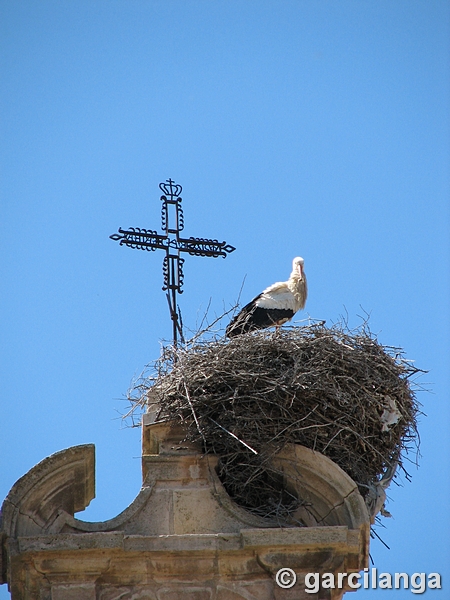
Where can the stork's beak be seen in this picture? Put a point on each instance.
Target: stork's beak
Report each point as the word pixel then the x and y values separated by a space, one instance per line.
pixel 300 271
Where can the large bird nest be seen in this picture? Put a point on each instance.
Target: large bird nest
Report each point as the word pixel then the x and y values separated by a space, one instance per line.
pixel 335 391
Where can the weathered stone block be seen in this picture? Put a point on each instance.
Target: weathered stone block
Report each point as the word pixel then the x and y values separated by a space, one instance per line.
pixel 84 591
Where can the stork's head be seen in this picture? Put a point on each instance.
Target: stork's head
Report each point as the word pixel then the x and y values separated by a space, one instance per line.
pixel 297 266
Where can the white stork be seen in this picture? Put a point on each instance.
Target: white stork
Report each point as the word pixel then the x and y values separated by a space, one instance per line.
pixel 275 305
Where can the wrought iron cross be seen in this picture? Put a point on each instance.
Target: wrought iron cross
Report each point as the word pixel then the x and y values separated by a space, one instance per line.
pixel 172 224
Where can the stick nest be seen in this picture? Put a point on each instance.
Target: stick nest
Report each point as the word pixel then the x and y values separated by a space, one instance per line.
pixel 329 389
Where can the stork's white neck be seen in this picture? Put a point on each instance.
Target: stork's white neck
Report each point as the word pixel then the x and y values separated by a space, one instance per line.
pixel 298 286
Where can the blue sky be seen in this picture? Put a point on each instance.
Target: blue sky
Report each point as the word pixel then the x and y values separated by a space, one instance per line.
pixel 312 128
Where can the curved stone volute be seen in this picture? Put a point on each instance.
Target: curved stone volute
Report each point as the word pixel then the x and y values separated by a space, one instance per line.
pixel 64 481
pixel 328 495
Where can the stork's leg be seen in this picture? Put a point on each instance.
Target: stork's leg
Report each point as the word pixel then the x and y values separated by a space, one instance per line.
pixel 279 323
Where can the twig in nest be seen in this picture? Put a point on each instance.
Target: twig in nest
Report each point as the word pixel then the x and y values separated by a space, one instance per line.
pixel 234 436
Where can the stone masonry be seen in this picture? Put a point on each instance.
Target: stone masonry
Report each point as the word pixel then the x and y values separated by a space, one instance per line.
pixel 182 537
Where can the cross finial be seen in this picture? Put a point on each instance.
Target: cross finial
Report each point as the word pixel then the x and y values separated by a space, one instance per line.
pixel 172 222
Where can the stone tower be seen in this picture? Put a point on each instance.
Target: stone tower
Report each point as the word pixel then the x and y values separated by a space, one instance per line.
pixel 182 537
